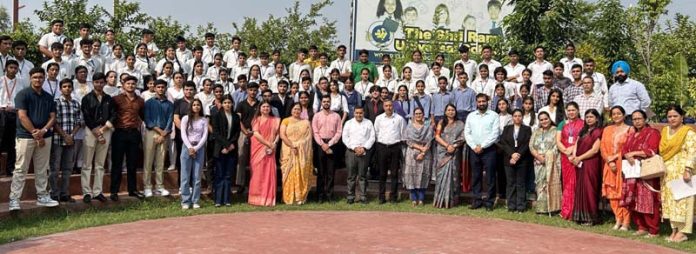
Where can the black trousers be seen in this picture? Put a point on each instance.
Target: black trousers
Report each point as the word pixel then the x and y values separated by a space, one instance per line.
pixel 388 158
pixel 480 163
pixel 8 133
pixel 326 173
pixel 516 186
pixel 124 142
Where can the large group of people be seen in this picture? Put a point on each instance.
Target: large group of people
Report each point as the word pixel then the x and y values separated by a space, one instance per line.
pixel 524 134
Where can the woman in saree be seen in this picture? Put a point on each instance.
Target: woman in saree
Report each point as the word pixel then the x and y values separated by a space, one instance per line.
pixel 296 156
pixel 588 170
pixel 418 136
pixel 547 166
pixel 642 197
pixel 566 137
pixel 678 149
pixel 450 137
pixel 262 186
pixel 613 139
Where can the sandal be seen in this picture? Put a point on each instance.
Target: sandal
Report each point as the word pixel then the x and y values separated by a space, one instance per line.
pixel 680 239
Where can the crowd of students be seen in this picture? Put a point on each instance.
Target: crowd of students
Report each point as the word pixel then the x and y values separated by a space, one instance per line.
pixel 518 133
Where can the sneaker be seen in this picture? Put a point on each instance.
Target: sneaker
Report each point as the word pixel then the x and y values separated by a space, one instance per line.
pixel 170 168
pixel 217 205
pixel 148 193
pixel 163 192
pixel 46 201
pixel 196 206
pixel 185 206
pixel 14 205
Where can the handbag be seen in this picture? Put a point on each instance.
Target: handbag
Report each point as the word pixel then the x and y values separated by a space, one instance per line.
pixel 652 167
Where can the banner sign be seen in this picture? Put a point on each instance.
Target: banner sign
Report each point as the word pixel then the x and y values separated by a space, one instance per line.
pixel 391 26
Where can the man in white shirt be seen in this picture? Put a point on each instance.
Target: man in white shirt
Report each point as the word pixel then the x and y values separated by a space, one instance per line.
pixel 487 58
pixel 85 30
pixel 267 70
pixel 209 49
pixel 539 66
pixel 600 82
pixel 514 68
pixel 342 63
pixel 5 46
pixel 322 70
pixel 277 77
pixel 253 58
pixel 86 59
pixel 569 60
pixel 182 53
pixel 56 35
pixel 10 85
pixel 481 132
pixel 241 68
pixel 358 136
pixel 231 56
pixel 20 51
pixel 148 37
pixel 296 67
pixel 469 65
pixel 388 129
pixel 109 42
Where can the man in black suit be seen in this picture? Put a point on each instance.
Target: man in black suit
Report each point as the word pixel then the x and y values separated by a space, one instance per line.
pixel 282 100
pixel 373 107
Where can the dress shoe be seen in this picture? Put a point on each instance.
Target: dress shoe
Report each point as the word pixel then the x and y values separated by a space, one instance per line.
pixel 100 197
pixel 67 198
pixel 475 206
pixel 114 197
pixel 87 198
pixel 137 194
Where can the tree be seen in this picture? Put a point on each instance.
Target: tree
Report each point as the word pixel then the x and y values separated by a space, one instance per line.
pixel 608 37
pixel 26 31
pixel 126 21
pixel 5 23
pixel 643 19
pixel 549 23
pixel 166 30
pixel 73 13
pixel 295 30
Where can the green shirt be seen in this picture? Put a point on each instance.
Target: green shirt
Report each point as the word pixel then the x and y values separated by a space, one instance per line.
pixel 358 66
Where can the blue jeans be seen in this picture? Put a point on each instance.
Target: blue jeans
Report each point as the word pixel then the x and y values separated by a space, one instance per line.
pixel 417 194
pixel 225 165
pixel 190 167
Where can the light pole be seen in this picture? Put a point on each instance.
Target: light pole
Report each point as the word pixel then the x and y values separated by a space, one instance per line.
pixel 15 13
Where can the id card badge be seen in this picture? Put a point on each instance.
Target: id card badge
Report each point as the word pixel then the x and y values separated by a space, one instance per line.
pixel 515 143
pixel 571 140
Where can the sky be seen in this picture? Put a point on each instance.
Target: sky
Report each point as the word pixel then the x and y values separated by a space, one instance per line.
pixel 224 13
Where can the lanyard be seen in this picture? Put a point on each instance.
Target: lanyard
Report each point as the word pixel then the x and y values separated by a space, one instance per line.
pixel 340 64
pixel 53 90
pixel 9 91
pixel 21 67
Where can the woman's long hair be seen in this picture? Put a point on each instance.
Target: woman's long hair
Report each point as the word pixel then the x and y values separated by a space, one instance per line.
pixel 524 112
pixel 191 115
pixel 560 108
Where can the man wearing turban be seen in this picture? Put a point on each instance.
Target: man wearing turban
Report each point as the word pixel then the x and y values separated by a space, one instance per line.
pixel 626 92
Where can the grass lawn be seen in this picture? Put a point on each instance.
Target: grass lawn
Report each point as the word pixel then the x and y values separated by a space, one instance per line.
pixel 61 220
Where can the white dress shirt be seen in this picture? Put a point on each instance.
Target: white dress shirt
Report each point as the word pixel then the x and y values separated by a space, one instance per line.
pixel 469 67
pixel 209 54
pixel 358 134
pixel 538 71
pixel 343 65
pixel 515 71
pixel 230 58
pixel 9 89
pixel 568 65
pixel 388 129
pixel 65 68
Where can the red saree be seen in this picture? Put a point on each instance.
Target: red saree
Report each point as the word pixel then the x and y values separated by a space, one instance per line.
pixel 569 136
pixel 262 186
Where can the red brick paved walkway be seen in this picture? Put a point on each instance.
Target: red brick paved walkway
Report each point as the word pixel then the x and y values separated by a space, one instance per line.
pixel 328 232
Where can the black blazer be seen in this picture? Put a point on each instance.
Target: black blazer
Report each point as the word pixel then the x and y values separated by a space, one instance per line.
pixel 370 113
pixel 283 108
pixel 220 128
pixel 507 143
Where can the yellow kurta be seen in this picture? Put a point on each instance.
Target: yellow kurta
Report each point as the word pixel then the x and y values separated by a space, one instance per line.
pixel 296 168
pixel 679 211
